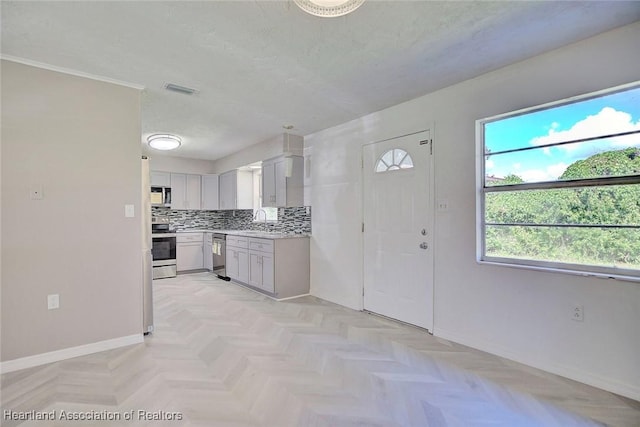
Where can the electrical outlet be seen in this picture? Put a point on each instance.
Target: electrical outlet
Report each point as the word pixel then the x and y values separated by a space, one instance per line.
pixel 53 301
pixel 443 205
pixel 577 313
pixel 35 192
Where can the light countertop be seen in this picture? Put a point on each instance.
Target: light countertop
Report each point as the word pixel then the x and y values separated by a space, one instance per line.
pixel 249 233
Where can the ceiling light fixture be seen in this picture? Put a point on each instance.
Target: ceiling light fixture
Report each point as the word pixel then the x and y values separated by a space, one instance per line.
pixel 164 141
pixel 328 8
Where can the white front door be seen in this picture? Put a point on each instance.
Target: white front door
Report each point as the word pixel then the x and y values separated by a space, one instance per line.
pixel 397 211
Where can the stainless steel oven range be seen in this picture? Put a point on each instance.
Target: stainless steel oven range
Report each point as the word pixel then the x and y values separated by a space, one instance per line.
pixel 163 248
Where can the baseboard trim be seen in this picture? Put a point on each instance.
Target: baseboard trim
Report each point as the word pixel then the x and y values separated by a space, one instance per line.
pixel 626 390
pixel 68 353
pixel 293 297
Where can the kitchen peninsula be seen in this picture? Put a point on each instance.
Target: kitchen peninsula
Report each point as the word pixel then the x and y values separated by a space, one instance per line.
pixel 273 263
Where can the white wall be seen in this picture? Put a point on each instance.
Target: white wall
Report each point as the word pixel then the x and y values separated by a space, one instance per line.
pixel 166 163
pixel 308 160
pixel 78 139
pixel 520 314
pixel 273 147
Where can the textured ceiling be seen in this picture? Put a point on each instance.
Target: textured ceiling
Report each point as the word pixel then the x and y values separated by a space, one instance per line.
pixel 259 65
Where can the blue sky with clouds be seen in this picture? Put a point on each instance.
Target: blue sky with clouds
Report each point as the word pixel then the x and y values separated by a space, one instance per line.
pixel 615 113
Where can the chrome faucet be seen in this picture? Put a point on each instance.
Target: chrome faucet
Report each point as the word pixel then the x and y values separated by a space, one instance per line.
pixel 255 216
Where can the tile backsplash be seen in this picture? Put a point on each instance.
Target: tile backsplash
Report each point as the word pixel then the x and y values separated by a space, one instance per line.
pixel 290 220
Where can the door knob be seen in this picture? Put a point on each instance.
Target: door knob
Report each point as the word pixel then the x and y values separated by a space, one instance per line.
pixel 424 245
pixel 424 232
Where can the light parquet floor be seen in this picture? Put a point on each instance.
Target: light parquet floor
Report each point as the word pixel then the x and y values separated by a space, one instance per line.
pixel 222 355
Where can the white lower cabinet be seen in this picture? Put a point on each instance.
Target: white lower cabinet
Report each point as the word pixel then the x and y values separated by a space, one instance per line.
pixel 231 263
pixel 237 260
pixel 243 266
pixel 261 270
pixel 277 267
pixel 189 252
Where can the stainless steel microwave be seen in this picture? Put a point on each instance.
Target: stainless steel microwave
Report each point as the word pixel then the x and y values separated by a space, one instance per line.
pixel 161 196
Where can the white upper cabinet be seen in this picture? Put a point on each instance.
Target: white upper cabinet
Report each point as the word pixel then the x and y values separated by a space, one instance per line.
pixel 185 191
pixel 160 179
pixel 194 192
pixel 236 190
pixel 210 195
pixel 283 182
pixel 179 191
pixel 227 190
pixel 269 183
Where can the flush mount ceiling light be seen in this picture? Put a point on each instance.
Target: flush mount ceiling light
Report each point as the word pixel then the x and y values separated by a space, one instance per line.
pixel 328 8
pixel 164 141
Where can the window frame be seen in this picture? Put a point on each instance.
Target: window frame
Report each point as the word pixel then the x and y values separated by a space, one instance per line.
pixel 393 167
pixel 482 190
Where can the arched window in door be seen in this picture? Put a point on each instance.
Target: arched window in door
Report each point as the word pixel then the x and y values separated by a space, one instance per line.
pixel 394 159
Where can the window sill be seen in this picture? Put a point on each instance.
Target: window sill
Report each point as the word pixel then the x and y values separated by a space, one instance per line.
pixel 620 277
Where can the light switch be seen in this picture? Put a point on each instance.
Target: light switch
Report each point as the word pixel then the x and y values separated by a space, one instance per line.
pixel 129 211
pixel 35 192
pixel 53 301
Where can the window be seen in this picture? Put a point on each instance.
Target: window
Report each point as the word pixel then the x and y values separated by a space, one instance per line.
pixel 270 213
pixel 394 159
pixel 560 185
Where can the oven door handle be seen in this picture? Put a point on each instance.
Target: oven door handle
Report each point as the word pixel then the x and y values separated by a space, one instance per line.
pixel 162 235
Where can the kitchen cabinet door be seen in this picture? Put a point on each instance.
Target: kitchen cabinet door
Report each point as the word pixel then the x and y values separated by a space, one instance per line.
pixel 255 269
pixel 189 256
pixel 228 189
pixel 208 253
pixel 236 190
pixel 268 184
pixel 210 196
pixel 266 263
pixel 193 192
pixel 261 267
pixel 268 281
pixel 283 182
pixel 243 265
pixel 179 191
pixel 231 263
pixel 185 191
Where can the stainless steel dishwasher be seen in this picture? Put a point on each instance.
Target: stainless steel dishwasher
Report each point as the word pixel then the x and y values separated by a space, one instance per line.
pixel 219 249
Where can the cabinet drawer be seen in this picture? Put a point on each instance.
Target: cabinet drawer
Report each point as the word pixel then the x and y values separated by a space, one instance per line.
pixel 263 245
pixel 189 237
pixel 237 241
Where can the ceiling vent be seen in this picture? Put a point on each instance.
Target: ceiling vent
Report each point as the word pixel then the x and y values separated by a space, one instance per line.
pixel 180 89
